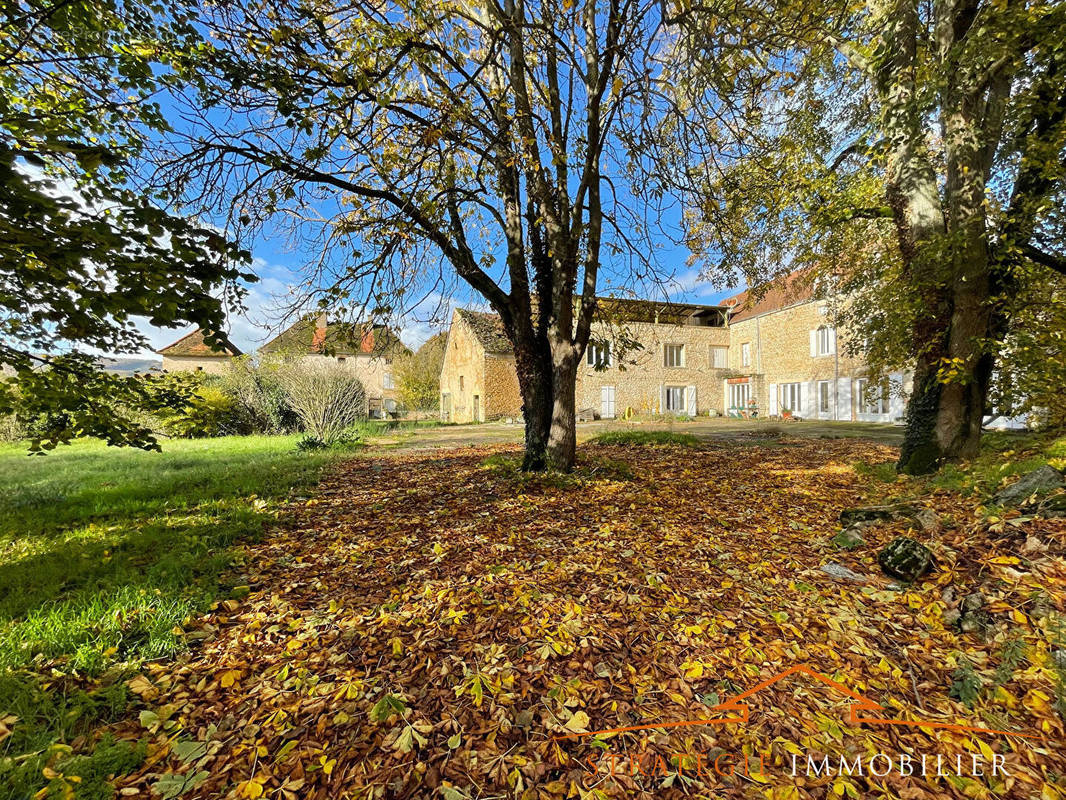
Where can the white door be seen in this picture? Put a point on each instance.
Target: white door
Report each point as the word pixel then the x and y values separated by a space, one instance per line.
pixel 690 400
pixel 607 402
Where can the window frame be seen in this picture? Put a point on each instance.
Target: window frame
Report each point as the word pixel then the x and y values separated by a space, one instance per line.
pixel 680 349
pixel 824 340
pixel 714 350
pixel 745 354
pixel 592 355
pixel 827 385
pixel 793 388
pixel 667 391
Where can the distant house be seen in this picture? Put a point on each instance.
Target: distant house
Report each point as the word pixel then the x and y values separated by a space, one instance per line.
pixel 191 353
pixel 677 368
pixel 368 350
pixel 772 353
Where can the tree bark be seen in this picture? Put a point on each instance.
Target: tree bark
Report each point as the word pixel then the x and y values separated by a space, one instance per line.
pixel 536 385
pixel 562 440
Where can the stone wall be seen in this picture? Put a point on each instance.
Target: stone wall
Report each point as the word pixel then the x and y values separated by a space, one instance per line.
pixel 502 398
pixel 212 365
pixel 639 378
pixel 785 350
pixel 462 375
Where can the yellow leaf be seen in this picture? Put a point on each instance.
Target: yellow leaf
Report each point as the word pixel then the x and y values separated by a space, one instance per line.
pixel 228 678
pixel 250 789
pixel 579 723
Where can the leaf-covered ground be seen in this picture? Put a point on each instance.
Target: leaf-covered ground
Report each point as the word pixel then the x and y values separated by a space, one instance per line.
pixel 427 625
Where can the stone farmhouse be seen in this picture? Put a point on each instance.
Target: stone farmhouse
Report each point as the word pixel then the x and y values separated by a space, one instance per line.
pixel 191 353
pixel 367 350
pixel 771 355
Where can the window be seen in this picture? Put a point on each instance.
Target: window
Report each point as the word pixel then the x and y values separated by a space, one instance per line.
pixel 390 405
pixel 675 399
pixel 607 402
pixel 460 383
pixel 790 397
pixel 745 354
pixel 823 397
pixel 598 355
pixel 340 359
pixel 719 357
pixel 826 341
pixel 871 402
pixel 739 396
pixel 673 355
pixel 387 382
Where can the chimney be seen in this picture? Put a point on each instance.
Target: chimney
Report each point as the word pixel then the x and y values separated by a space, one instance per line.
pixel 319 338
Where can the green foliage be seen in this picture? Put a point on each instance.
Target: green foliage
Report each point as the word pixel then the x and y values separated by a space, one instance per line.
pixel 418 375
pixel 882 472
pixel 647 438
pixel 209 410
pixel 965 683
pixel 49 717
pixel 261 401
pixel 81 250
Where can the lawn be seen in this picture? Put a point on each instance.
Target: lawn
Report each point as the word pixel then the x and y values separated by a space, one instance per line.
pixel 105 553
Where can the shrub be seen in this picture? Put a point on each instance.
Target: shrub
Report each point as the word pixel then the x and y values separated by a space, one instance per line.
pixel 259 396
pixel 326 396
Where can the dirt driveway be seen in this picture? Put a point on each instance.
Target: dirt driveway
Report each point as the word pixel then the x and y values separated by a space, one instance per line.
pixel 449 436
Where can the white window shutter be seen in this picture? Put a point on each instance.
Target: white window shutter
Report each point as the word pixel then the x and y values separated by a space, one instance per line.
pixel 773 399
pixel 690 400
pixel 662 399
pixel 804 399
pixel 814 343
pixel 832 341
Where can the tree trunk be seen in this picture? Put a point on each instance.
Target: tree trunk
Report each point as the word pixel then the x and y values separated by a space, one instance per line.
pixel 535 381
pixel 562 440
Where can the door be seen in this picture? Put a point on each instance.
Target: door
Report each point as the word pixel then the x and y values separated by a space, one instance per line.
pixel 477 408
pixel 446 407
pixel 690 400
pixel 607 402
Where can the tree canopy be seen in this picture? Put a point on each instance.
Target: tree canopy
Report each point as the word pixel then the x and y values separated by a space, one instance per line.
pixel 82 249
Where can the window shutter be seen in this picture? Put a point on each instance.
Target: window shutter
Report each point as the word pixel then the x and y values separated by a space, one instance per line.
pixel 662 399
pixel 814 343
pixel 832 341
pixel 804 400
pixel 773 399
pixel 690 400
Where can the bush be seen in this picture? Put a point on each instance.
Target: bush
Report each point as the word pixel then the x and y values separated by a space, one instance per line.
pixel 326 396
pixel 259 396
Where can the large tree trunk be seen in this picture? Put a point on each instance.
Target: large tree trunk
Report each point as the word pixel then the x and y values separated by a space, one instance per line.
pixel 536 384
pixel 562 440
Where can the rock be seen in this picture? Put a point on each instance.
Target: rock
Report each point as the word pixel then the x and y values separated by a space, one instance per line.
pixel 848 539
pixel 924 518
pixel 952 616
pixel 905 559
pixel 1040 481
pixel 927 520
pixel 949 595
pixel 973 602
pixel 841 573
pixel 853 516
pixel 971 623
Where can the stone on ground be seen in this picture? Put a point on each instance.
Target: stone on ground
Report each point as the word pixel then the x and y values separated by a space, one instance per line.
pixel 842 573
pixel 1040 481
pixel 905 559
pixel 848 539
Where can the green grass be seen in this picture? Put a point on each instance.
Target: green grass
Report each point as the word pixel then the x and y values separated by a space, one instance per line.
pixel 647 438
pixel 104 554
pixel 1004 454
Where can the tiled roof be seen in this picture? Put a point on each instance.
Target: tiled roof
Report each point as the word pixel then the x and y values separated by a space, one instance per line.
pixel 488 328
pixel 792 289
pixel 341 338
pixel 193 344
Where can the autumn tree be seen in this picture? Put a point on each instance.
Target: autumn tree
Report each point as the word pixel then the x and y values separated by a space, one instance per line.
pixel 505 143
pixel 81 251
pixel 418 374
pixel 938 128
